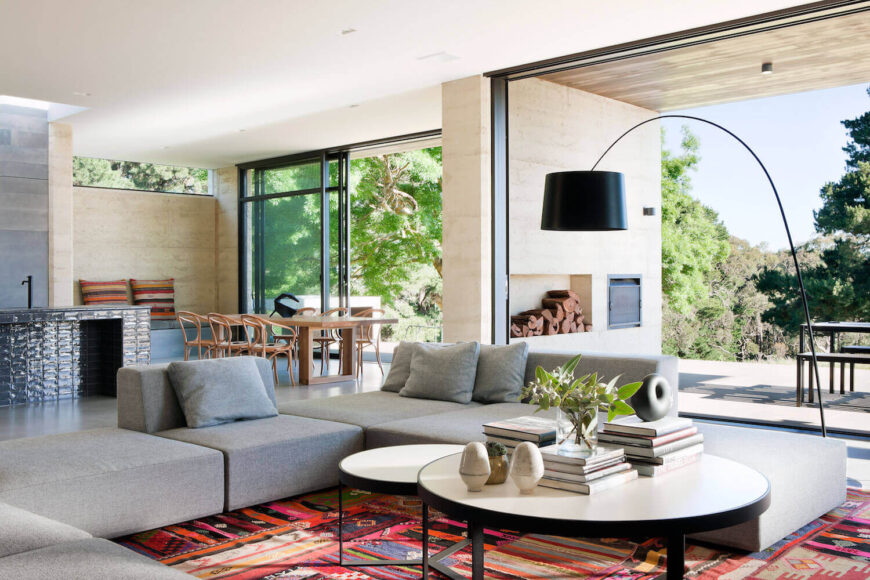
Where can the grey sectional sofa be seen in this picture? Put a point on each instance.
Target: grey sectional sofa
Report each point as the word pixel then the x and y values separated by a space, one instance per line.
pixel 154 471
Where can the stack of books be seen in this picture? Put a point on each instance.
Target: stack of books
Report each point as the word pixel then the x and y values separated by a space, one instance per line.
pixel 655 447
pixel 510 433
pixel 586 473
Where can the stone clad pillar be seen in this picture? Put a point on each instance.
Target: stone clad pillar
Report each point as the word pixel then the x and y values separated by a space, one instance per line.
pixel 226 192
pixel 466 210
pixel 60 215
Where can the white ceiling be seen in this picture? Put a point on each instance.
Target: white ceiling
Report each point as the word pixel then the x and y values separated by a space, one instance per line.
pixel 211 83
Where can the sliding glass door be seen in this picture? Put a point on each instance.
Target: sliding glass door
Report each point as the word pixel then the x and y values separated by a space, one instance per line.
pixel 292 215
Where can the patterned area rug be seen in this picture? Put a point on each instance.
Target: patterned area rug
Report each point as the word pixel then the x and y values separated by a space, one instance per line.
pixel 296 538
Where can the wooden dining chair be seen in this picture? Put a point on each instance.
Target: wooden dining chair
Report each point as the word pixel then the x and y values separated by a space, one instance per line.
pixel 192 333
pixel 222 334
pixel 263 341
pixel 369 336
pixel 328 337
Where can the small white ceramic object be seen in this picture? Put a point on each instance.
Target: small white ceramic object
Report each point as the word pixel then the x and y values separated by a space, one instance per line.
pixel 474 466
pixel 527 467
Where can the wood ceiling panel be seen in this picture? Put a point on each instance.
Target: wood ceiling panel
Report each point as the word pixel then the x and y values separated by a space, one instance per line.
pixel 817 55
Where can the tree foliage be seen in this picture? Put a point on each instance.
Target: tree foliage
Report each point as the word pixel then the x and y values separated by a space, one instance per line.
pixel 836 265
pixel 694 241
pixel 144 176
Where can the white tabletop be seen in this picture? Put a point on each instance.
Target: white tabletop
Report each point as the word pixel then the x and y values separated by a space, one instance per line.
pixel 710 486
pixel 397 464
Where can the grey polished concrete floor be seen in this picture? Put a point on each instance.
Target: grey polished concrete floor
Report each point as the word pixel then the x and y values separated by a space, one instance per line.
pixel 94 412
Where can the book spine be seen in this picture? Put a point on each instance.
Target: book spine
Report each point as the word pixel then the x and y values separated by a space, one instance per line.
pixel 612 481
pixel 648 470
pixel 670 457
pixel 667 448
pixel 584 477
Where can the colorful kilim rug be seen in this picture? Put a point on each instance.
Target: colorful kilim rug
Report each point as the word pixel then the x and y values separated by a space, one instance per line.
pixel 296 538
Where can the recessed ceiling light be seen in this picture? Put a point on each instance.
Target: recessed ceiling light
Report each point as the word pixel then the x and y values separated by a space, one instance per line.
pixel 354 106
pixel 242 130
pixel 767 68
pixel 346 31
pixel 440 56
pixel 81 94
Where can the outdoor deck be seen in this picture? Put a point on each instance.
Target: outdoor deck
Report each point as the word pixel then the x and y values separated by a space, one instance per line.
pixel 766 393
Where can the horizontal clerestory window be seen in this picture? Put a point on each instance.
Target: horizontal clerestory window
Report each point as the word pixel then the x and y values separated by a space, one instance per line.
pixel 112 174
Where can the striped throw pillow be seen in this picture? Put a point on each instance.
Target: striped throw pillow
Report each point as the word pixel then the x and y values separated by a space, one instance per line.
pixel 113 292
pixel 158 294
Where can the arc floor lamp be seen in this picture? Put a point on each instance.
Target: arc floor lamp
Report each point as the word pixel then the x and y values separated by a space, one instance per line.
pixel 595 201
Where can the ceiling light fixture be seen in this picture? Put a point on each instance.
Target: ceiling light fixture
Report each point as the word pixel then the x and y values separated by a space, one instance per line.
pixel 767 68
pixel 354 106
pixel 81 94
pixel 440 56
pixel 346 31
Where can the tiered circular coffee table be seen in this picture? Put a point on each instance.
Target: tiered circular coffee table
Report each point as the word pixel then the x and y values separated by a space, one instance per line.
pixel 710 494
pixel 392 470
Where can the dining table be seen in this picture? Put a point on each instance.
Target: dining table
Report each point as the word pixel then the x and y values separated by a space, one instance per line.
pixel 308 327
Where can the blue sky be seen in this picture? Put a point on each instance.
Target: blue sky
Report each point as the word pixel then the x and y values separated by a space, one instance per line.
pixel 798 137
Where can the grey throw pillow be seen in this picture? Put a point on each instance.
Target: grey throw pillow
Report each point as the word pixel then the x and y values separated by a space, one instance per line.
pixel 400 368
pixel 500 373
pixel 220 390
pixel 443 373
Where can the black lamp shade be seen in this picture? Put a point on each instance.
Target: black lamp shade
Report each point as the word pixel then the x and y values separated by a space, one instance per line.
pixel 584 201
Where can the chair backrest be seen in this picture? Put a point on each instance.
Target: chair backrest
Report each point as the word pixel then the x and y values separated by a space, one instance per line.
pixel 369 331
pixel 255 333
pixel 194 320
pixel 307 311
pixel 333 312
pixel 221 330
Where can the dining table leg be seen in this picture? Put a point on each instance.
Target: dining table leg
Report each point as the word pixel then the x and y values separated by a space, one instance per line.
pixel 348 347
pixel 306 355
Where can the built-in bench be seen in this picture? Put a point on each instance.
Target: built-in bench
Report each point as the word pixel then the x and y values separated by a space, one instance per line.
pixel 834 358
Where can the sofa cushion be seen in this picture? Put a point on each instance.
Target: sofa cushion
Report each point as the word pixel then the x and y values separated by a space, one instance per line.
pixel 92 559
pixel 110 482
pixel 400 368
pixel 500 372
pixel 99 293
pixel 367 409
pixel 22 531
pixel 458 427
pixel 158 294
pixel 273 458
pixel 147 401
pixel 443 373
pixel 807 476
pixel 220 390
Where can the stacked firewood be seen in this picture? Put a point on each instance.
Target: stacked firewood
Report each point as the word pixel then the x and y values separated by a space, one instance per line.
pixel 560 313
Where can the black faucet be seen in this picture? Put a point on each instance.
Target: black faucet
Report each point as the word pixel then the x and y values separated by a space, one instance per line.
pixel 29 282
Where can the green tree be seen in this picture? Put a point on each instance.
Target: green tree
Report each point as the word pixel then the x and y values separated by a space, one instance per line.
pixel 694 241
pixel 144 176
pixel 836 265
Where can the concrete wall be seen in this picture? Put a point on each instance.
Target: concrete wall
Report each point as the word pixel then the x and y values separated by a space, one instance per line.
pixel 555 128
pixel 23 204
pixel 466 210
pixel 225 184
pixel 131 234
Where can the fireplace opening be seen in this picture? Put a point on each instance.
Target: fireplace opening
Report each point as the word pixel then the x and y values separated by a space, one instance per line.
pixel 623 301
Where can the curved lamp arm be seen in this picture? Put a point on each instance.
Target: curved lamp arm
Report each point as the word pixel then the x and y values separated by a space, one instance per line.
pixel 803 293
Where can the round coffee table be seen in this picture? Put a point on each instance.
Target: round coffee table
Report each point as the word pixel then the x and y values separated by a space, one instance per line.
pixel 392 470
pixel 710 494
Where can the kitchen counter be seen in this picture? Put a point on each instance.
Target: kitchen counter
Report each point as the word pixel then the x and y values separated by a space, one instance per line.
pixel 58 353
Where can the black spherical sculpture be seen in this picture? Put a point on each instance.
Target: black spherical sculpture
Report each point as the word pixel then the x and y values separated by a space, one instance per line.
pixel 653 400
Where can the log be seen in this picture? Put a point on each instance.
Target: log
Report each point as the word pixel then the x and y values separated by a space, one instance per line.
pixel 515 331
pixel 588 327
pixel 540 313
pixel 551 327
pixel 567 304
pixel 563 294
pixel 566 327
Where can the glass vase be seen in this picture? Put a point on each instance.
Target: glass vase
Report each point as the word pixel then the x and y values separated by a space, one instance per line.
pixel 577 434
